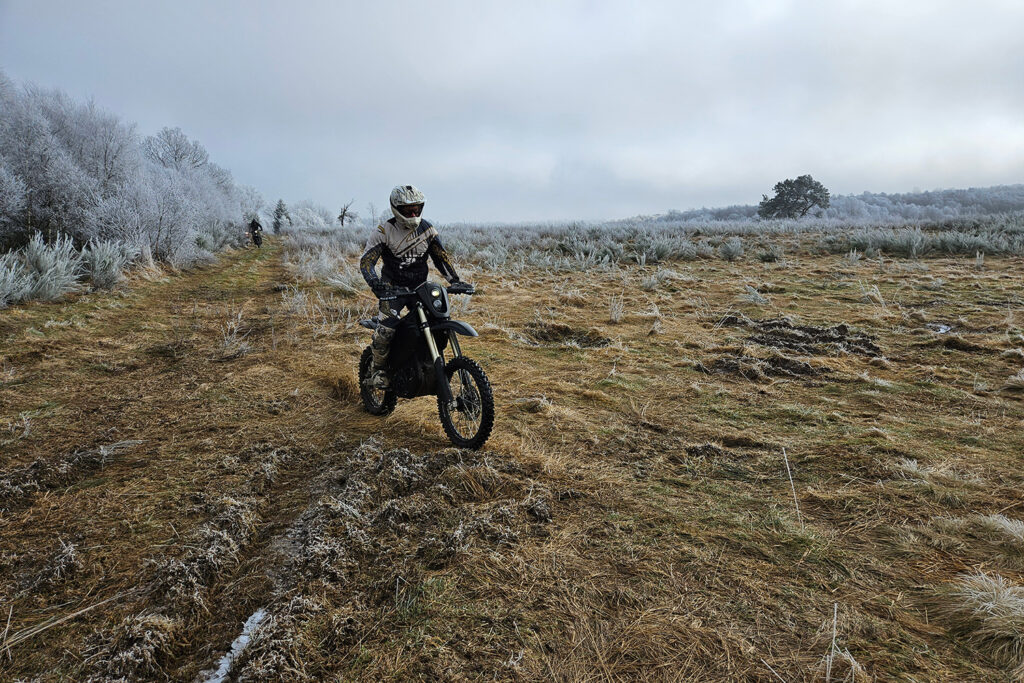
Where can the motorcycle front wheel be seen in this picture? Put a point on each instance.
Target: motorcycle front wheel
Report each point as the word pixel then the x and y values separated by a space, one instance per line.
pixel 469 419
pixel 375 401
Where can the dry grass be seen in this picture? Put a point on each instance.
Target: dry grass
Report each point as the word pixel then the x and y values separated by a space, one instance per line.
pixel 1015 382
pixel 986 611
pixel 631 518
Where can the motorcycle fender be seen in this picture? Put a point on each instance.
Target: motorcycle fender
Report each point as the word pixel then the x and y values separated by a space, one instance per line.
pixel 458 326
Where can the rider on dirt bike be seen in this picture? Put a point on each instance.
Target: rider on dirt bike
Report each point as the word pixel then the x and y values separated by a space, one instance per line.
pixel 404 241
pixel 255 231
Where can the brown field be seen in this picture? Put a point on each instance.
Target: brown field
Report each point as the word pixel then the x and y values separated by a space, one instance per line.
pixel 190 449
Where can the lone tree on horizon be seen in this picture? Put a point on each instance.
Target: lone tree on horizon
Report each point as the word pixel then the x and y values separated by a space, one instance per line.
pixel 794 198
pixel 347 214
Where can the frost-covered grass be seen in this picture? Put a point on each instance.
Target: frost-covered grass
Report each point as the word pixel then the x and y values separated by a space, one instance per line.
pixel 325 256
pixel 605 247
pixel 54 268
pixel 106 261
pixel 15 280
pixel 46 271
pixel 576 247
pixel 987 611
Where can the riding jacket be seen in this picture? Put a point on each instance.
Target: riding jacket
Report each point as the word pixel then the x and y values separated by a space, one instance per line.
pixel 404 252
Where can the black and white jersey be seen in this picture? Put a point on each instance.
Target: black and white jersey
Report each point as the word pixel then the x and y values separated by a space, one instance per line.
pixel 404 252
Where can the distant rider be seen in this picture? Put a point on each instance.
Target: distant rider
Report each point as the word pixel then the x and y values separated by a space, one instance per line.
pixel 404 241
pixel 254 231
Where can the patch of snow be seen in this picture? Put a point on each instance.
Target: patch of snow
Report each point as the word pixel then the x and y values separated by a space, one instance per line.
pixel 224 666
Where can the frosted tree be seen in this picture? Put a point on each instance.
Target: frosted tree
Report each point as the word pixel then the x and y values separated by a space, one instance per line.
pixel 171 148
pixel 13 198
pixel 250 201
pixel 794 198
pixel 347 214
pixel 280 214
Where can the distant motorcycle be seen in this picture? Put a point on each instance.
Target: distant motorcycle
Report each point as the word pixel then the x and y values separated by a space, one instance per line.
pixel 257 238
pixel 416 365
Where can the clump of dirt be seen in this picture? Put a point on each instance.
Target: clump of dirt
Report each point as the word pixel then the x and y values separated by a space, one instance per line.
pixel 344 388
pixel 533 404
pixel 384 523
pixel 138 647
pixel 36 572
pixel 174 349
pixel 213 549
pixel 810 340
pixel 955 342
pixel 559 333
pixel 762 369
pixel 705 450
pixel 17 486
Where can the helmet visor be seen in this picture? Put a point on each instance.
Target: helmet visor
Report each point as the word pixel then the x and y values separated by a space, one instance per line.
pixel 410 210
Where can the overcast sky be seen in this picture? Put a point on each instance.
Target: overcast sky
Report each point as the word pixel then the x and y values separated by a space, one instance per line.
pixel 552 110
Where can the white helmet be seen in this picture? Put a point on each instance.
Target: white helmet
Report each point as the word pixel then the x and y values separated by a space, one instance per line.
pixel 401 197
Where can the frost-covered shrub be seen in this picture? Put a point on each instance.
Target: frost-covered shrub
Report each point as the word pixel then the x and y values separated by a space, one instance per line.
pixel 15 281
pixel 731 249
pixel 309 216
pixel 190 255
pixel 772 254
pixel 219 235
pixel 105 262
pixel 53 268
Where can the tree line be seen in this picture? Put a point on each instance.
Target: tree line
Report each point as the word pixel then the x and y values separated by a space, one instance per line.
pixel 73 169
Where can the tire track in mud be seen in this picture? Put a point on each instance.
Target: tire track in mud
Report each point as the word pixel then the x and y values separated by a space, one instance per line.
pixel 343 565
pixel 179 593
pixel 359 558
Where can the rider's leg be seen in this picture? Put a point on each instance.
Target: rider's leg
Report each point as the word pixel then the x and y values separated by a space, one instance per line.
pixel 380 345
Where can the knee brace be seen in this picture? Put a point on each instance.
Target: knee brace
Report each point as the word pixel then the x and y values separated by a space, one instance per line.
pixel 381 344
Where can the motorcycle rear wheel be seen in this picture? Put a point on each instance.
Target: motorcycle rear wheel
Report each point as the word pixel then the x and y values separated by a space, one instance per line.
pixel 469 424
pixel 375 401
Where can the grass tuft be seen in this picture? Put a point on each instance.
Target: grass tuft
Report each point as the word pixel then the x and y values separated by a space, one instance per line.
pixel 986 611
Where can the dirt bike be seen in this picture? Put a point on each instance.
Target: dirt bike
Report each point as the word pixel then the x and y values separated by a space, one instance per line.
pixel 257 239
pixel 416 365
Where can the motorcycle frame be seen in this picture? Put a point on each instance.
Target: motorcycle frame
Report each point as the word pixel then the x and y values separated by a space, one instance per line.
pixel 443 390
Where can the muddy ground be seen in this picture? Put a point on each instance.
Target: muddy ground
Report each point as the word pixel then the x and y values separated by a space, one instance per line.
pixel 716 487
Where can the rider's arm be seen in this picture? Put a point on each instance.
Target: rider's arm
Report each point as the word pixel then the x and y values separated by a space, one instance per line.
pixel 368 261
pixel 442 260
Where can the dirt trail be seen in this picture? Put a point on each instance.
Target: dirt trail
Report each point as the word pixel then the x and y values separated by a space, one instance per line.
pixel 141 419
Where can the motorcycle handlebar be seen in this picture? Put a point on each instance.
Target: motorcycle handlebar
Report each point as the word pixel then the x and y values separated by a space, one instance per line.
pixel 396 294
pixel 458 288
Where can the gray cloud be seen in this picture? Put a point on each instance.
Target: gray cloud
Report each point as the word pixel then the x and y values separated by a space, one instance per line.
pixel 540 110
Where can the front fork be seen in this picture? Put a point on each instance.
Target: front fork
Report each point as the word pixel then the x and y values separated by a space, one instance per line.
pixel 443 390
